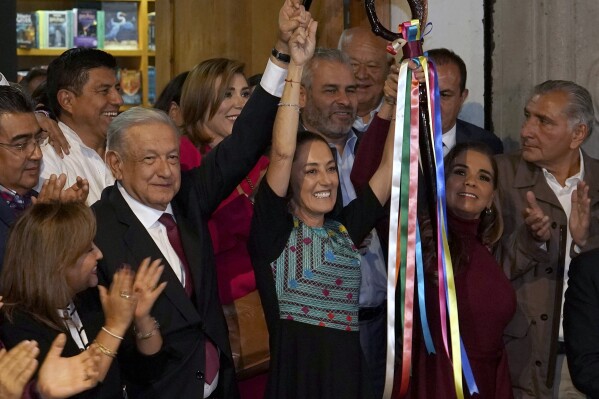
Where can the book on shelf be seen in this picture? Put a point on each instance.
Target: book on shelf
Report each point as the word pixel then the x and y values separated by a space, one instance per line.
pixel 26 30
pixel 121 31
pixel 57 29
pixel 151 84
pixel 88 27
pixel 130 81
pixel 152 31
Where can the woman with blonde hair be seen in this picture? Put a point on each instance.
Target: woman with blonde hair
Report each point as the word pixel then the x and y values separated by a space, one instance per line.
pixel 213 96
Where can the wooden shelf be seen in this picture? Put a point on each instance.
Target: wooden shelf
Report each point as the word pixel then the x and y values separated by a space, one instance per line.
pixel 139 59
pixel 39 52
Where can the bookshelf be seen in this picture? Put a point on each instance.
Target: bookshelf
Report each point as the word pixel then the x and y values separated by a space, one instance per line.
pixel 139 59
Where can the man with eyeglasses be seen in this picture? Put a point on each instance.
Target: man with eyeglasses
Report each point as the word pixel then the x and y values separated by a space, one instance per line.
pixel 21 139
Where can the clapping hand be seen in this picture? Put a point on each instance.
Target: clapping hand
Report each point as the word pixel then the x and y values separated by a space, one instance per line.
pixel 146 287
pixel 63 377
pixel 52 190
pixel 580 215
pixel 16 368
pixel 535 219
pixel 119 302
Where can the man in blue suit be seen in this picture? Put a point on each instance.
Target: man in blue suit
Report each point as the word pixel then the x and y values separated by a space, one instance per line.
pixel 451 72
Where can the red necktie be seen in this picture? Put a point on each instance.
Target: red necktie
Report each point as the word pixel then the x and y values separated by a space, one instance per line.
pixel 212 361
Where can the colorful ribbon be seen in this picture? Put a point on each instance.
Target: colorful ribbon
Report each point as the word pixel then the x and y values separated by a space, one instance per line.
pixel 405 252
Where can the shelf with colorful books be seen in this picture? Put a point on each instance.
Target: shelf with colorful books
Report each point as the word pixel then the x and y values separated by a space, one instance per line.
pixel 46 28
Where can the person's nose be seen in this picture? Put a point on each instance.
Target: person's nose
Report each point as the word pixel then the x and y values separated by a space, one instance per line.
pixel 529 127
pixel 326 179
pixel 240 101
pixel 470 181
pixel 36 154
pixel 343 98
pixel 164 168
pixel 360 71
pixel 99 254
pixel 115 97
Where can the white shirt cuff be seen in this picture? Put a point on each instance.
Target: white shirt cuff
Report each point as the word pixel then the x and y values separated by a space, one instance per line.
pixel 273 79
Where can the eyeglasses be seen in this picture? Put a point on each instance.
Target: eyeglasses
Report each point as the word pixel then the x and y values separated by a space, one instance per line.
pixel 28 146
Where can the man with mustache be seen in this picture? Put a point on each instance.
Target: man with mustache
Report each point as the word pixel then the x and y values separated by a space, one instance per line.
pixel 549 197
pixel 83 93
pixel 329 101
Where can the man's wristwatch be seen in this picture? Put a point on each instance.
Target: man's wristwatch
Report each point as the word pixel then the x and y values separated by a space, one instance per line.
pixel 280 56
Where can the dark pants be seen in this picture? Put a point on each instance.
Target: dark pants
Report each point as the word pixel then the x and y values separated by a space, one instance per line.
pixel 373 339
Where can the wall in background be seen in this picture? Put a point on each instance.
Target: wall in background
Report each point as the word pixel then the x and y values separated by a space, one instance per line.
pixel 458 26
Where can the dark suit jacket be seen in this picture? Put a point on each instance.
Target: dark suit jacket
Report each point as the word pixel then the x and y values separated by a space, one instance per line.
pixel 185 323
pixel 467 132
pixel 24 326
pixel 7 218
pixel 581 322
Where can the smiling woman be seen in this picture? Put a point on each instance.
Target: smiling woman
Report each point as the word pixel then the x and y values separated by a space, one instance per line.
pixel 486 300
pixel 305 256
pixel 49 285
pixel 213 96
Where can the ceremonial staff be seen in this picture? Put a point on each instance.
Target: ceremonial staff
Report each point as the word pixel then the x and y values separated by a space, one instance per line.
pixel 418 195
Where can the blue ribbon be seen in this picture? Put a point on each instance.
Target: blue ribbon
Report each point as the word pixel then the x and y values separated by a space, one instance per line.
pixel 468 375
pixel 441 201
pixel 426 331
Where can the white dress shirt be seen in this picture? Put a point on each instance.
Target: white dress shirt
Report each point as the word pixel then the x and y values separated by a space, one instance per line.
pixel 149 219
pixel 82 161
pixel 564 196
pixel 361 126
pixel 449 139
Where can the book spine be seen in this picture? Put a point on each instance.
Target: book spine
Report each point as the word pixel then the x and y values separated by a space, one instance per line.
pixel 101 28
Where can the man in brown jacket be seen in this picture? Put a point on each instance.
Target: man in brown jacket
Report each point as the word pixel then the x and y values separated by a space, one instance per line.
pixel 549 197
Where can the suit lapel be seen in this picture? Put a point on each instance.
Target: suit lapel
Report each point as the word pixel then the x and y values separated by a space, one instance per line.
pixel 531 177
pixel 7 214
pixel 141 245
pixel 591 165
pixel 193 253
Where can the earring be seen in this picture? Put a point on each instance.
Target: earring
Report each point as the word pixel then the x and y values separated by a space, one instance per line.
pixel 488 211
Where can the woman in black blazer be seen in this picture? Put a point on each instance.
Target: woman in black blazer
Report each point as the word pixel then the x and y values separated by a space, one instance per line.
pixel 50 285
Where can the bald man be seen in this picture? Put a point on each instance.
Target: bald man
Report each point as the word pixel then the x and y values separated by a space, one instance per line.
pixel 370 62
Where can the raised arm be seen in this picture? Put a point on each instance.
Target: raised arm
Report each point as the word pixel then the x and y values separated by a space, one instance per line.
pixel 380 182
pixel 301 46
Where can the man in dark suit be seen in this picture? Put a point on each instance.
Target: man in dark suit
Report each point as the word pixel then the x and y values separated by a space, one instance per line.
pixel 143 155
pixel 19 167
pixel 451 72
pixel 156 210
pixel 581 323
pixel 20 158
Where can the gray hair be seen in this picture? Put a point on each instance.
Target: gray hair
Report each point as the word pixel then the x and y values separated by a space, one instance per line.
pixel 580 108
pixel 323 54
pixel 348 35
pixel 115 140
